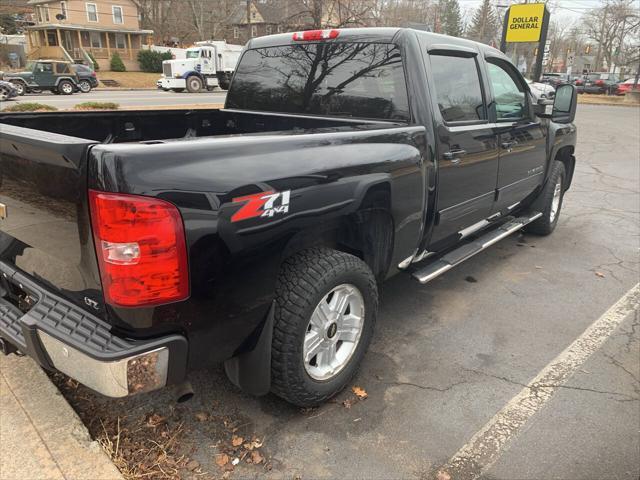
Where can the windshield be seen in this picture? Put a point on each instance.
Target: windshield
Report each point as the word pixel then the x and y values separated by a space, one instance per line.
pixel 30 66
pixel 193 53
pixel 340 79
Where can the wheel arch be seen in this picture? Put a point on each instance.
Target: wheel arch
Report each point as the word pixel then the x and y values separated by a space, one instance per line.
pixel 70 79
pixel 366 233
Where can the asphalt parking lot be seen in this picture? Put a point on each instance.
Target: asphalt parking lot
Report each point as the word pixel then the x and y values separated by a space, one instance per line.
pixel 450 355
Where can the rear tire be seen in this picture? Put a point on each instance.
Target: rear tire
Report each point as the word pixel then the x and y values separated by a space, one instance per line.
pixel 65 87
pixel 20 86
pixel 84 86
pixel 549 202
pixel 194 84
pixel 305 311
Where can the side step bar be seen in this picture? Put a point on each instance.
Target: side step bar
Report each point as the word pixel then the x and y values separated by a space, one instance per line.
pixel 468 250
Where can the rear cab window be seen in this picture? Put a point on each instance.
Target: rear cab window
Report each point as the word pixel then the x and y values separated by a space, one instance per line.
pixel 360 80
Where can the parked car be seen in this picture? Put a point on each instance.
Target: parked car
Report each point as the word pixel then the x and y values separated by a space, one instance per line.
pixel 7 90
pixel 541 90
pixel 54 75
pixel 554 79
pixel 87 78
pixel 599 83
pixel 138 246
pixel 627 86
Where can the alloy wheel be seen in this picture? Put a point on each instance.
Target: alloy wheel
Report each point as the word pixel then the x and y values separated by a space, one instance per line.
pixel 333 332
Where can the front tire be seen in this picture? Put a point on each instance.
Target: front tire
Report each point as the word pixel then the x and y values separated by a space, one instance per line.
pixel 549 202
pixel 194 84
pixel 325 311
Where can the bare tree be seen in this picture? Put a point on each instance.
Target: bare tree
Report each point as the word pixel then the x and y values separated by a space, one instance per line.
pixel 612 27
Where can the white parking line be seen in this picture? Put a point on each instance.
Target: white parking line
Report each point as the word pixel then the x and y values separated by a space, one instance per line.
pixel 485 446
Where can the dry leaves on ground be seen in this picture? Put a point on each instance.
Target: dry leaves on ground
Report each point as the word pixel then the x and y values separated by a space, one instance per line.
pixel 360 392
pixel 222 459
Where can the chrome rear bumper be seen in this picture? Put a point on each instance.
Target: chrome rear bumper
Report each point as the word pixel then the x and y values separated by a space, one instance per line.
pixel 61 336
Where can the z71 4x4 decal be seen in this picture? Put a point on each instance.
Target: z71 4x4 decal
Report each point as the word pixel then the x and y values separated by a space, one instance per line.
pixel 263 204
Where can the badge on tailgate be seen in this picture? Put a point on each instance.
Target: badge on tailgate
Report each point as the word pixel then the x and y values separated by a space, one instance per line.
pixel 3 211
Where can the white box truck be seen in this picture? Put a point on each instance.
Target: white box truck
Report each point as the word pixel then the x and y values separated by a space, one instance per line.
pixel 207 65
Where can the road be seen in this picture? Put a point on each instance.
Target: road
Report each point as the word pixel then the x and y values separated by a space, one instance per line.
pixel 126 98
pixel 450 355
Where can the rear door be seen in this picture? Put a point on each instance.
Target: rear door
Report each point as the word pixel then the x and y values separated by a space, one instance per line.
pixel 466 143
pixel 521 136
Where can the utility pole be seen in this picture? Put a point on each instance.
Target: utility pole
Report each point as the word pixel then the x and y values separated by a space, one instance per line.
pixel 604 21
pixel 249 19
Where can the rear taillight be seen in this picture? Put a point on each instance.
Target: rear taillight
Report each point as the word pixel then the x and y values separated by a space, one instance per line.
pixel 141 249
pixel 316 35
pixel 93 74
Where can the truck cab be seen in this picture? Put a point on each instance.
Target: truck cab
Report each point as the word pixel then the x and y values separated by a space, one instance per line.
pixel 206 65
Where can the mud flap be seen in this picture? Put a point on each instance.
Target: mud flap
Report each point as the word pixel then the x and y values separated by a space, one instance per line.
pixel 251 371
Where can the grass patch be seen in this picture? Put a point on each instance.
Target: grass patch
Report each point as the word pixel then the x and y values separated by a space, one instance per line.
pixel 97 106
pixel 30 107
pixel 591 99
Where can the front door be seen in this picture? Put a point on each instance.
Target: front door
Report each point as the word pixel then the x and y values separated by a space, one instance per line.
pixel 467 147
pixel 522 140
pixel 43 74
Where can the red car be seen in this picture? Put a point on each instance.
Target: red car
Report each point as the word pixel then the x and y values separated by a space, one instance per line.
pixel 627 86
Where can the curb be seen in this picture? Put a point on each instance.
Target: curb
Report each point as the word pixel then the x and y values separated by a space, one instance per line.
pixel 122 89
pixel 41 437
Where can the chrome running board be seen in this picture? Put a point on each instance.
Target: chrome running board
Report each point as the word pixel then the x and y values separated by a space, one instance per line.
pixel 468 250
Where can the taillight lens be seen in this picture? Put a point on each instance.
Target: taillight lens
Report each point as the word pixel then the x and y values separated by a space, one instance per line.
pixel 141 249
pixel 316 35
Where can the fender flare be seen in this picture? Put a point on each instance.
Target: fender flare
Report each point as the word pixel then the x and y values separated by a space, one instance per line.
pixel 66 78
pixel 192 73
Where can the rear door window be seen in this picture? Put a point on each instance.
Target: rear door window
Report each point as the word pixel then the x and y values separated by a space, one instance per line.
pixel 458 92
pixel 364 80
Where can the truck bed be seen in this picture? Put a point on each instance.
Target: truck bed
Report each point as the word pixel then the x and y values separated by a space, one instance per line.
pixel 153 126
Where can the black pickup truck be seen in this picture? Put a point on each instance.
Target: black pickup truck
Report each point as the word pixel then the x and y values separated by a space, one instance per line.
pixel 137 246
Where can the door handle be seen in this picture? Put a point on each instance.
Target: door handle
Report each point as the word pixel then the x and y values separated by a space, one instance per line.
pixel 454 155
pixel 509 145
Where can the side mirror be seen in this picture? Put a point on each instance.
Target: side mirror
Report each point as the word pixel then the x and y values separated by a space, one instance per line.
pixel 565 103
pixel 562 108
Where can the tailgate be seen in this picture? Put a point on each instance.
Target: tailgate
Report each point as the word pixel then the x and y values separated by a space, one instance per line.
pixel 44 222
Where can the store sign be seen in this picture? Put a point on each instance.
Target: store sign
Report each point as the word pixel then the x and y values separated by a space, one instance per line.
pixel 525 22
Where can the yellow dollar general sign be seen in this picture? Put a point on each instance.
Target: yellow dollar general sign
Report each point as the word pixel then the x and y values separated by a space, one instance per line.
pixel 525 22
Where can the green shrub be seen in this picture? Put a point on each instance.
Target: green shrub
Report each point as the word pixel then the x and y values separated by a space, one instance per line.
pixel 96 66
pixel 97 106
pixel 151 61
pixel 117 65
pixel 31 107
